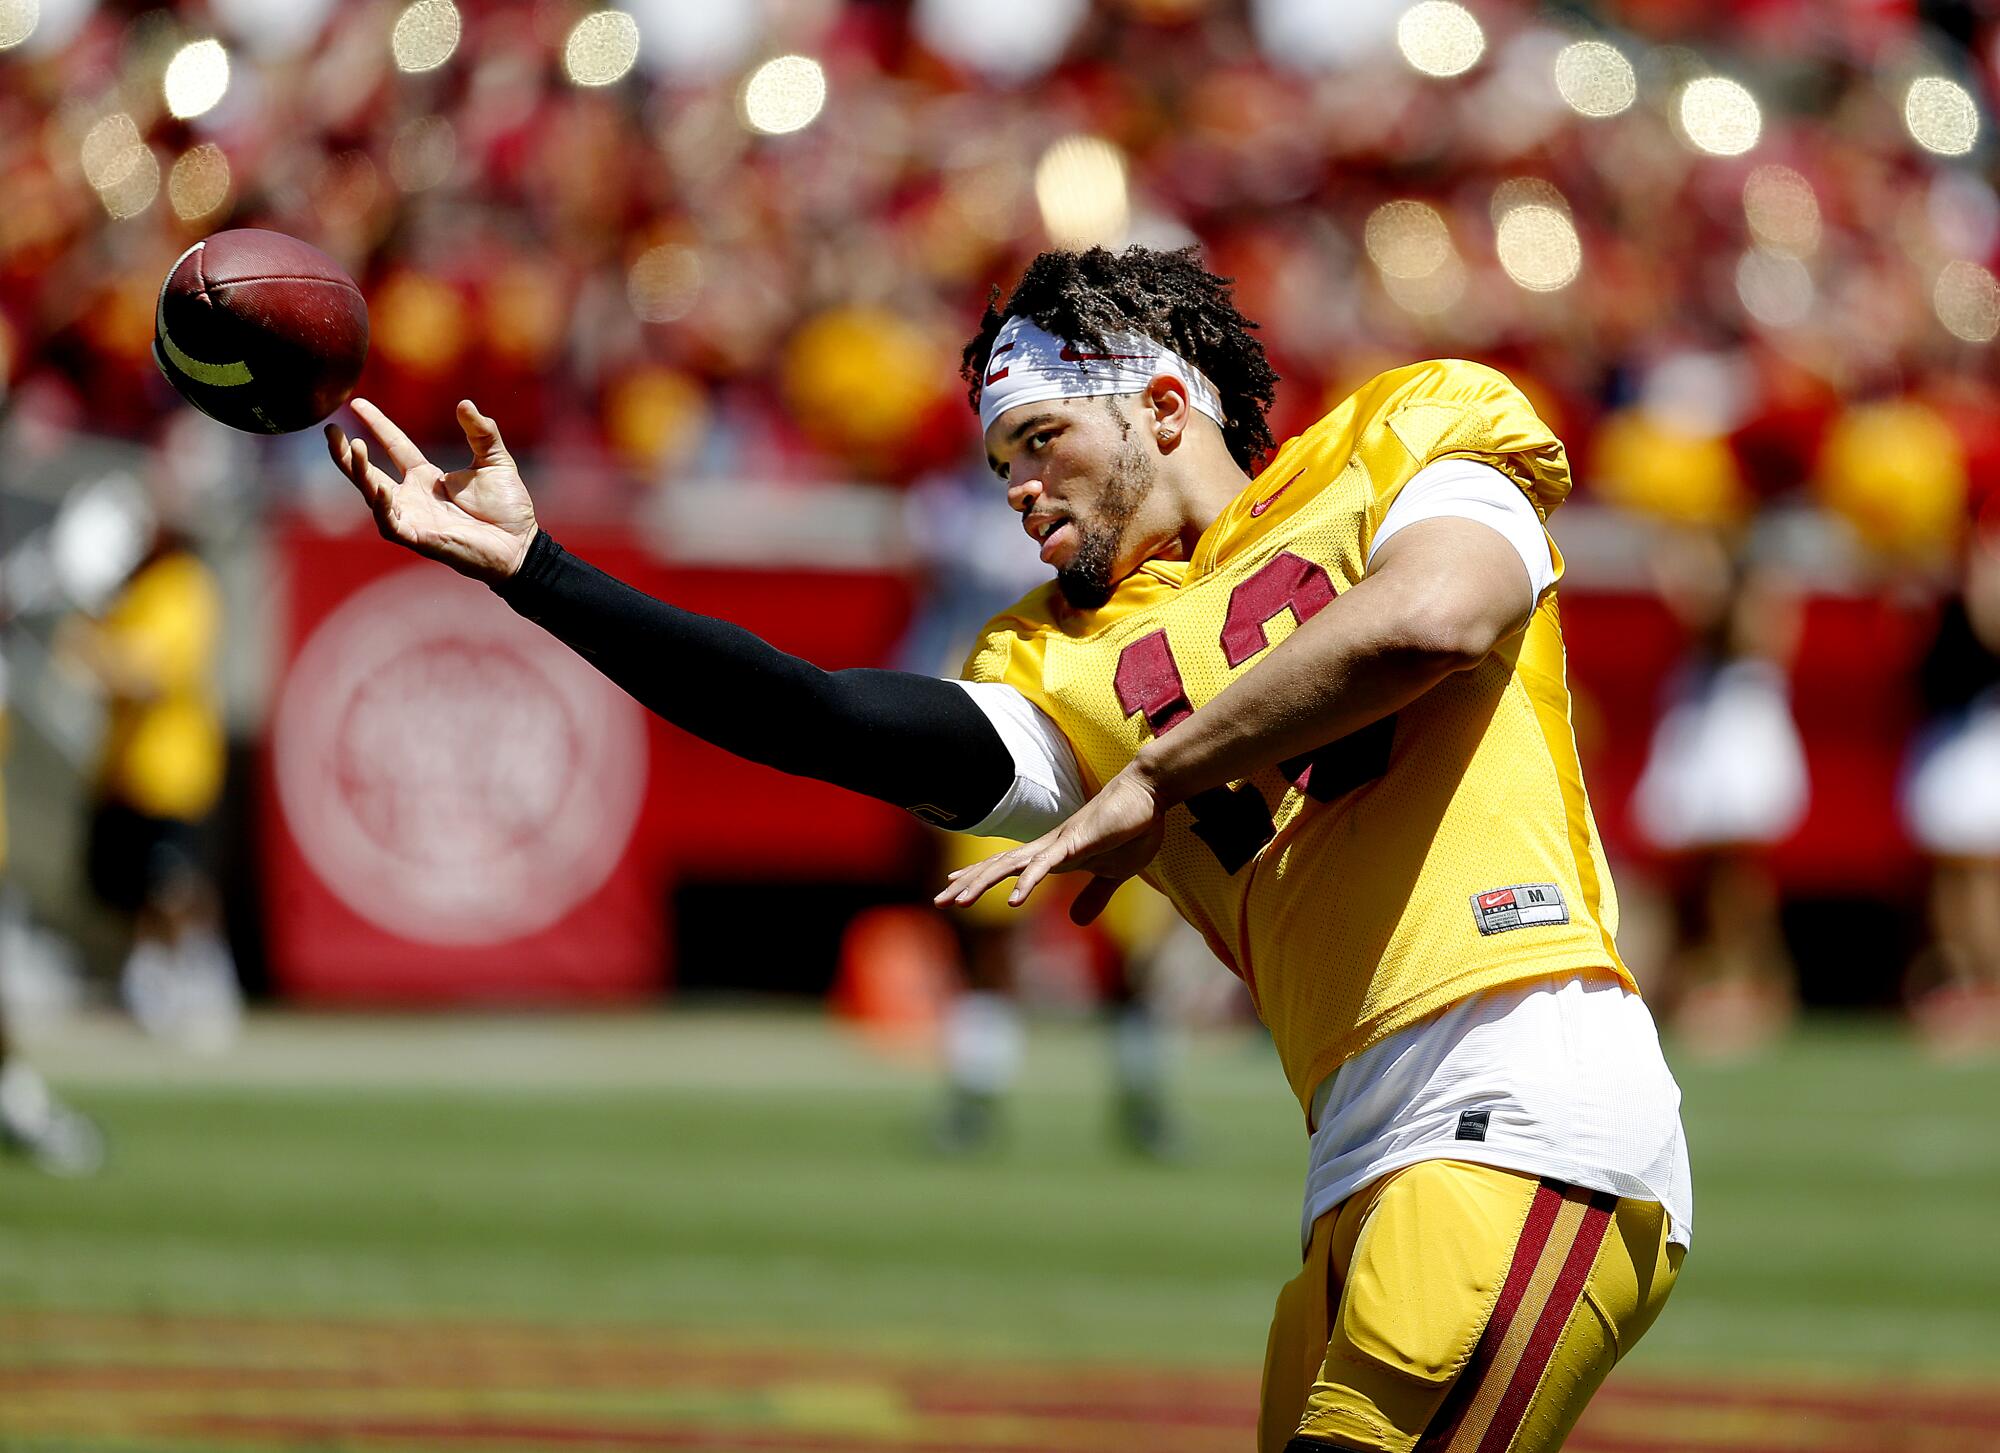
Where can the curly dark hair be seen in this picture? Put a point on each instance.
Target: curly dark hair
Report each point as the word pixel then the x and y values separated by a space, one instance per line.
pixel 1168 296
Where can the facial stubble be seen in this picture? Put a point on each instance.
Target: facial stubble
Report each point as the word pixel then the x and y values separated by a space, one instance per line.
pixel 1087 581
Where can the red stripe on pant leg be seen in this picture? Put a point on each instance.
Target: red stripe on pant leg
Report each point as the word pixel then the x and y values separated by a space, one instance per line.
pixel 1563 1298
pixel 1527 1251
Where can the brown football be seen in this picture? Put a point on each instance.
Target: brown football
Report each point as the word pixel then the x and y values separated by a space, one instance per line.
pixel 260 330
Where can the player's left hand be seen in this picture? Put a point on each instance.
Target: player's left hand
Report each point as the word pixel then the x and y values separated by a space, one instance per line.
pixel 1111 837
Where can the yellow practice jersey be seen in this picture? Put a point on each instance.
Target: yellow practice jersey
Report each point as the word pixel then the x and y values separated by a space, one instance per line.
pixel 164 747
pixel 1443 851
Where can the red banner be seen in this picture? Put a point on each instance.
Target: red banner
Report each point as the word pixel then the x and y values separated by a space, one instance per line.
pixel 460 808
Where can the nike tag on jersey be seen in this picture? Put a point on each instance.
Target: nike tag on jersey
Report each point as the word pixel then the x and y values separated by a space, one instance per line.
pixel 1522 906
pixel 1472 1124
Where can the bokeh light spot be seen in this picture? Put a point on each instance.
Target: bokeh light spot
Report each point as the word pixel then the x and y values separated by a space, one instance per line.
pixel 1967 299
pixel 425 35
pixel 1719 116
pixel 601 48
pixel 1595 79
pixel 1406 239
pixel 1941 115
pixel 1775 288
pixel 199 183
pixel 197 78
pixel 1782 211
pixel 1080 187
pixel 18 19
pixel 423 153
pixel 1435 292
pixel 664 282
pixel 1539 248
pixel 111 149
pixel 784 94
pixel 135 189
pixel 1440 38
pixel 1526 192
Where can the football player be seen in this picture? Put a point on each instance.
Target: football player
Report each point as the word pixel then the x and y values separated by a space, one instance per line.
pixel 1315 695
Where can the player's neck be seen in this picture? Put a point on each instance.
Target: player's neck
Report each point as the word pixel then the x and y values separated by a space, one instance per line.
pixel 1195 484
pixel 1204 484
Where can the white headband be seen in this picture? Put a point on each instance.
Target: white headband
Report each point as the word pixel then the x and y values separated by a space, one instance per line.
pixel 1029 365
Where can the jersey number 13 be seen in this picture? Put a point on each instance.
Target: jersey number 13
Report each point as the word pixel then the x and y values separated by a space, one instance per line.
pixel 1236 821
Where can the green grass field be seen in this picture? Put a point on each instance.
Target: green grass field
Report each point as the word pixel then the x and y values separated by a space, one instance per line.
pixel 676 1191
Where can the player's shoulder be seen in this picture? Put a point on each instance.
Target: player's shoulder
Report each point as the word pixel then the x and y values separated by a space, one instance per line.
pixel 1007 641
pixel 1453 408
pixel 1041 609
pixel 1443 381
pixel 1397 398
pixel 1020 631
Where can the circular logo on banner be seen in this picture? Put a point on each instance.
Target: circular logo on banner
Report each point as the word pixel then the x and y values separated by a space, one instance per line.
pixel 452 774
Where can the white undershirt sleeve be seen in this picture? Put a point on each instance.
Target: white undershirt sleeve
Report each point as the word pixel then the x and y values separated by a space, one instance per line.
pixel 1465 489
pixel 1048 787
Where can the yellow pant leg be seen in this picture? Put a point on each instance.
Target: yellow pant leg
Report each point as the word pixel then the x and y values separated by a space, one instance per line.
pixel 1465 1310
pixel 1628 1284
pixel 1297 1345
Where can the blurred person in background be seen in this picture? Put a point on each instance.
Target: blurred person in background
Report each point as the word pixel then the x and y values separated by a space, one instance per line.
pixel 1725 780
pixel 972 568
pixel 33 1122
pixel 1426 920
pixel 152 655
pixel 983 1033
pixel 1951 807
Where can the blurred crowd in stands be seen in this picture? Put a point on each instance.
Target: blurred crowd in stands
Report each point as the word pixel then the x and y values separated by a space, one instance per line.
pixel 1737 251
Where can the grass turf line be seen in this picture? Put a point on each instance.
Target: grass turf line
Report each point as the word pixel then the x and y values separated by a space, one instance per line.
pixel 1844 1190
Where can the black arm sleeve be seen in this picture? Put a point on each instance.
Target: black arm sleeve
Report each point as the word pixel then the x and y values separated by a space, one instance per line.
pixel 905 738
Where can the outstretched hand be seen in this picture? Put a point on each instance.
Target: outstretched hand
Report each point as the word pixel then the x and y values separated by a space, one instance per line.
pixel 1111 837
pixel 479 521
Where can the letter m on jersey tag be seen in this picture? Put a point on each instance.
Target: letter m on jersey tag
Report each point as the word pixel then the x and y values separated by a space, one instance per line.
pixel 1522 906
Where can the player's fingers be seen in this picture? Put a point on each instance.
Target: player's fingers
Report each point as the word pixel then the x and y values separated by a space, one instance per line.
pixel 956 880
pixel 342 449
pixel 956 873
pixel 973 883
pixel 1091 901
pixel 1032 874
pixel 482 434
pixel 969 887
pixel 374 484
pixel 395 443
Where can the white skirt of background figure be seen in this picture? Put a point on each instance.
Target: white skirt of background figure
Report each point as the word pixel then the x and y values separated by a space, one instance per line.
pixel 1726 765
pixel 1951 787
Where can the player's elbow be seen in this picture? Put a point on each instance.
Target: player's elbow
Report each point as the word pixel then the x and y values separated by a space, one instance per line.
pixel 1443 636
